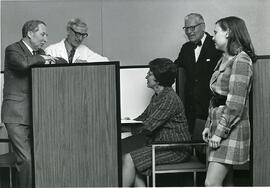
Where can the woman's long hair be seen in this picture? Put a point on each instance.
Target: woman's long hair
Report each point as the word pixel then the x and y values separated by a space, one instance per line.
pixel 239 38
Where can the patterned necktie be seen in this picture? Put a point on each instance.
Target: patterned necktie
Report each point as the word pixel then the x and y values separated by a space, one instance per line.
pixel 71 54
pixel 35 52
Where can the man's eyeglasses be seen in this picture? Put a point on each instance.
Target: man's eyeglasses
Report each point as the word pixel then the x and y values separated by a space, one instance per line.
pixel 193 27
pixel 78 34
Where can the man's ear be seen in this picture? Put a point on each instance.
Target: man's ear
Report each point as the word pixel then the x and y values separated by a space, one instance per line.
pixel 30 34
pixel 68 31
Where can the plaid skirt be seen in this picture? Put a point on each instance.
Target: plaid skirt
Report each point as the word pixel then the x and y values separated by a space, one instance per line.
pixel 235 148
pixel 142 158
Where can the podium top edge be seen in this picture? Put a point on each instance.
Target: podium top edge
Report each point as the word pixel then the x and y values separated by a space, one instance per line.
pixel 116 63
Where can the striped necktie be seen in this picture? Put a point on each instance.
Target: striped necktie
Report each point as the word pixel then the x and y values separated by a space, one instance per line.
pixel 71 54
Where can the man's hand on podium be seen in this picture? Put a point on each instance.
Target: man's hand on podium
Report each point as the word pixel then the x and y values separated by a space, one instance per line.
pixel 49 59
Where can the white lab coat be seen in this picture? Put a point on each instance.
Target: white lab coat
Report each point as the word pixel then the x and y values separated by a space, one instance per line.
pixel 82 53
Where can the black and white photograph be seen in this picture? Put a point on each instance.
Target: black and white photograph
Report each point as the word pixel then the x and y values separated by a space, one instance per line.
pixel 134 93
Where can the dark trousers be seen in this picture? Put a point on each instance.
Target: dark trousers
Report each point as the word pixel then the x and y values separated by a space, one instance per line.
pixel 199 126
pixel 20 138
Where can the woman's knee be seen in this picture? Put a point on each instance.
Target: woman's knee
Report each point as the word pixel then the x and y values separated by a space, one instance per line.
pixel 127 161
pixel 209 182
pixel 216 173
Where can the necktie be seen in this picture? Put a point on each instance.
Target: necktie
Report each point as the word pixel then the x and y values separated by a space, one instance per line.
pixel 71 54
pixel 197 44
pixel 35 52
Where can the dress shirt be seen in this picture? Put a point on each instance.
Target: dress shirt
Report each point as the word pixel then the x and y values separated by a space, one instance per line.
pixel 198 48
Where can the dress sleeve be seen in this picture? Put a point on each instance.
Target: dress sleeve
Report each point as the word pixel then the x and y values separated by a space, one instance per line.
pixel 239 87
pixel 160 114
pixel 143 116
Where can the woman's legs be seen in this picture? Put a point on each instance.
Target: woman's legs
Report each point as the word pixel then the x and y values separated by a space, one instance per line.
pixel 216 173
pixel 128 170
pixel 139 181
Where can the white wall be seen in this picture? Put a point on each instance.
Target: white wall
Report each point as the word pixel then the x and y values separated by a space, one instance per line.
pixel 142 30
pixel 133 31
pixel 135 96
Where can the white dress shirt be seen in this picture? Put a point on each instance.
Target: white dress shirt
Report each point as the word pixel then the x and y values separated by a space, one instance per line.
pixel 197 50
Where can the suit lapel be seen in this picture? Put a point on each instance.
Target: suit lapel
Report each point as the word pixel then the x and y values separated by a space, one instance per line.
pixel 63 49
pixel 24 48
pixel 27 51
pixel 191 53
pixel 216 72
pixel 204 47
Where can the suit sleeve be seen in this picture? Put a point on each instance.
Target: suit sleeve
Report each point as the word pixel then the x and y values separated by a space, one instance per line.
pixel 239 84
pixel 179 61
pixel 19 61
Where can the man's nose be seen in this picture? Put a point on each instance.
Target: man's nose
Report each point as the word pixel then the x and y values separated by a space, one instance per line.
pixel 45 38
pixel 189 30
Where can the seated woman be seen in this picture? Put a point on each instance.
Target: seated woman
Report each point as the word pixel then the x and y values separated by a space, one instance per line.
pixel 163 120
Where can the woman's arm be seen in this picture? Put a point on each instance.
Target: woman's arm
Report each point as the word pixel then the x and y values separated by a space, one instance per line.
pixel 143 116
pixel 160 113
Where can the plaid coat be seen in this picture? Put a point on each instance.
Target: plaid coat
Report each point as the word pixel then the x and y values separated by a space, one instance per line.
pixel 233 79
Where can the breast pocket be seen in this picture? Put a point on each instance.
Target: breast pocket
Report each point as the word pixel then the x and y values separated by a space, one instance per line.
pixel 13 106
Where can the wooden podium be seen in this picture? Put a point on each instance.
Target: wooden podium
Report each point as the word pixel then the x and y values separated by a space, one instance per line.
pixel 261 122
pixel 76 119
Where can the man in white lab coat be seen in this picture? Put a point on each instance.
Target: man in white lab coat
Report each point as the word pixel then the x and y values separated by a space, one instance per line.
pixel 71 48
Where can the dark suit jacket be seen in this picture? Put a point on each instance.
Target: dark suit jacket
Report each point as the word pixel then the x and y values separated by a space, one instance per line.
pixel 198 74
pixel 16 107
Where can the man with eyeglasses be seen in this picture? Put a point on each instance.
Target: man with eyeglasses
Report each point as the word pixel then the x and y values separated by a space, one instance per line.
pixel 71 48
pixel 198 58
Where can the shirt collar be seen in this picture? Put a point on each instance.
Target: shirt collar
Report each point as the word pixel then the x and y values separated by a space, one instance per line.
pixel 68 46
pixel 203 38
pixel 28 47
pixel 162 93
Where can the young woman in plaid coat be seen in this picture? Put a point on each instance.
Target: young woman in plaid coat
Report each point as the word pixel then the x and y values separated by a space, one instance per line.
pixel 227 129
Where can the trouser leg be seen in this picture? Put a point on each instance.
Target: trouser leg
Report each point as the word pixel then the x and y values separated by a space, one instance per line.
pixel 20 138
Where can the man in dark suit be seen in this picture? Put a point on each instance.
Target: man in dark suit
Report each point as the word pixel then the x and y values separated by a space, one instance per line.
pixel 198 58
pixel 16 107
